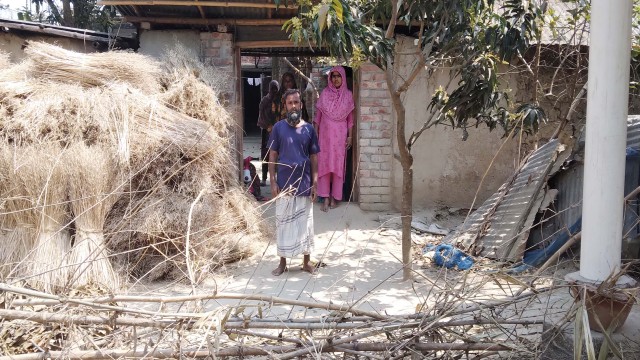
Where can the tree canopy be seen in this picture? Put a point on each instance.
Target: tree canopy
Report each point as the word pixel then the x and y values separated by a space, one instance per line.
pixel 471 36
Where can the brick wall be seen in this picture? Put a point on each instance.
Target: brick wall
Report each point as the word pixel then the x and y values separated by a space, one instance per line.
pixel 217 51
pixel 374 140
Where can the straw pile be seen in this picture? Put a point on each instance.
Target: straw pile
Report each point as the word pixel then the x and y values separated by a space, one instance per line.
pixel 146 161
pixel 39 240
pixel 64 66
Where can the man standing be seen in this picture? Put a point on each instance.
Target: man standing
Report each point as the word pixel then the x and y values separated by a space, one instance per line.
pixel 294 148
pixel 266 120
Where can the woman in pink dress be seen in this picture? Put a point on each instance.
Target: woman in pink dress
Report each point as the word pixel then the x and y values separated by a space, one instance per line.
pixel 333 123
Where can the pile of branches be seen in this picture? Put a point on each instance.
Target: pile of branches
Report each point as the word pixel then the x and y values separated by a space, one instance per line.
pixel 112 164
pixel 116 326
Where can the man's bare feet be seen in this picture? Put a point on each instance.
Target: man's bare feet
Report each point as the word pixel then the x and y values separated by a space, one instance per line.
pixel 279 270
pixel 309 268
pixel 282 267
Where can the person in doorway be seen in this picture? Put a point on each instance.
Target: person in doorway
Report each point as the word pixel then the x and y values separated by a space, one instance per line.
pixel 334 124
pixel 266 119
pixel 287 82
pixel 293 145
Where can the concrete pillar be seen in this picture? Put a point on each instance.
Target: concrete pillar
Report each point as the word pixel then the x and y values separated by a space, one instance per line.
pixel 607 110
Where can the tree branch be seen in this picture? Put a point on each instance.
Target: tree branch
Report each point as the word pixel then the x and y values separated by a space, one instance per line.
pixel 394 20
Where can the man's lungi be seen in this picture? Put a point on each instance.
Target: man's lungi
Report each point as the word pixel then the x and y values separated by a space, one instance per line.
pixel 294 224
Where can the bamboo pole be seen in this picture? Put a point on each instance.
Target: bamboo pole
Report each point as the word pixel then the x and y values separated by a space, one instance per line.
pixel 218 21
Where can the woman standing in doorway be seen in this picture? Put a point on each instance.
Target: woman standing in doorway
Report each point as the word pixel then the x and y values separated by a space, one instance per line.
pixel 334 124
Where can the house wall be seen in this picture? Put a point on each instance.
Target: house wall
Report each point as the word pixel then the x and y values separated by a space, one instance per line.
pixel 12 44
pixel 155 42
pixel 447 170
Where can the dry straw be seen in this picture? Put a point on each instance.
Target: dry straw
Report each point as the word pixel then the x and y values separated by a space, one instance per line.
pixel 96 69
pixel 41 204
pixel 94 186
pixel 17 237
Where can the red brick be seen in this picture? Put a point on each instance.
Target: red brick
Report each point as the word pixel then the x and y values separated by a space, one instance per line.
pixel 381 77
pixel 370 118
pixel 380 125
pixel 367 101
pixel 371 85
pixel 222 36
pixel 222 62
pixel 382 110
pixel 212 52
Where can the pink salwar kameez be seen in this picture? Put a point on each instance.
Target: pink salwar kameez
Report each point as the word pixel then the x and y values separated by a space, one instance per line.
pixel 333 118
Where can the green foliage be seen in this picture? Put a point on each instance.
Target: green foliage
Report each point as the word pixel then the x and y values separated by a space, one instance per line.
pixel 331 24
pixel 469 35
pixel 86 14
pixel 509 32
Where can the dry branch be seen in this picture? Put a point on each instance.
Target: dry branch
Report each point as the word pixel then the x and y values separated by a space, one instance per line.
pixel 46 318
pixel 254 351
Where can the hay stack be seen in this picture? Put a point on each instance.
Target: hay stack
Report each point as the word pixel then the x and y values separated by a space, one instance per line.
pixel 107 112
pixel 94 186
pixel 40 204
pixel 156 250
pixel 92 70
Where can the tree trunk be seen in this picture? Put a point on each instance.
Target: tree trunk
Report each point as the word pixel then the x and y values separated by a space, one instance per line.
pixel 407 215
pixel 406 160
pixel 66 13
pixel 55 12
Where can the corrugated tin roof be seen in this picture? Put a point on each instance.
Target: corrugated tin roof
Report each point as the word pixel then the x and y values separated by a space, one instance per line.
pixel 500 227
pixel 122 41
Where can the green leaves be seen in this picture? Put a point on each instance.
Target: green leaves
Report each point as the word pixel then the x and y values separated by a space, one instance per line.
pixel 331 24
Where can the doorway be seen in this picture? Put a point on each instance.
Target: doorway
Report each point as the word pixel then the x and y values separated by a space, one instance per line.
pixel 255 84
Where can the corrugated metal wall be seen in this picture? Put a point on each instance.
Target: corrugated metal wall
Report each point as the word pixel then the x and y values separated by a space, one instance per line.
pixel 568 204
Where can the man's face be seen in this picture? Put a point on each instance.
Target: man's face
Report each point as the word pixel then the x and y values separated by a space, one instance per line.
pixel 293 102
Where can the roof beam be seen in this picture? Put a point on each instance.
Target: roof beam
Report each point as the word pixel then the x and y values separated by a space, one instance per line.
pixel 188 21
pixel 264 44
pixel 207 3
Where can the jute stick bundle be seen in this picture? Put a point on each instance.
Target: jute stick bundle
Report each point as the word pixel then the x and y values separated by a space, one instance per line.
pixel 94 186
pixel 38 173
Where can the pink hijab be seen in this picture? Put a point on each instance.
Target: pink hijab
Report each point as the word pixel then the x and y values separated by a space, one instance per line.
pixel 336 104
